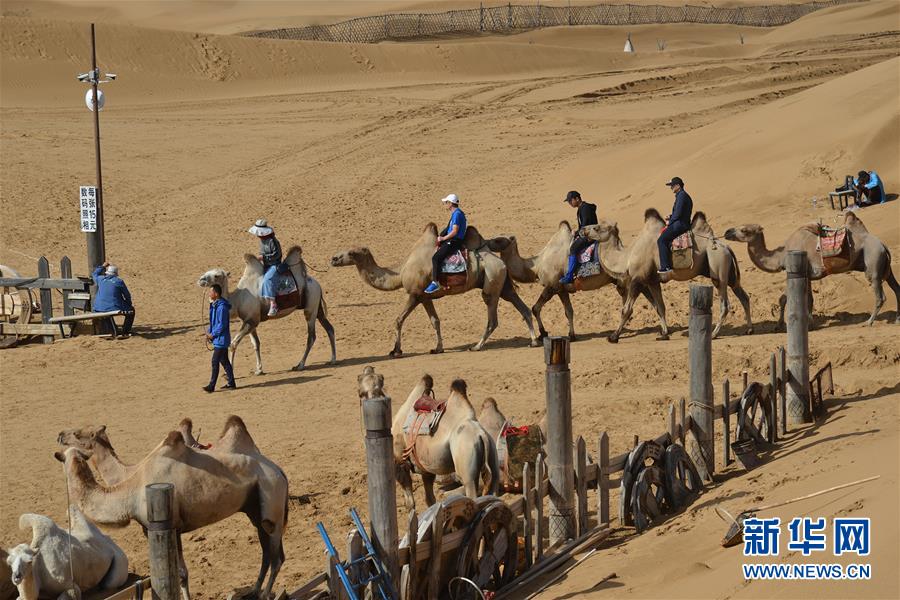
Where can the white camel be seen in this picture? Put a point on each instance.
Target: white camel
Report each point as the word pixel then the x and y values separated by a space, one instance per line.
pixel 43 568
pixel 252 309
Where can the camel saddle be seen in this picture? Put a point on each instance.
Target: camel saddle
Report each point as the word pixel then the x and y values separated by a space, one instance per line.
pixel 683 251
pixel 456 262
pixel 590 254
pixel 287 292
pixel 423 419
pixel 833 242
pixel 515 447
pixel 588 263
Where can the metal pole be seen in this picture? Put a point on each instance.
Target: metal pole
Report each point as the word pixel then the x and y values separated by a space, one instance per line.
pixel 163 540
pixel 382 481
pixel 96 240
pixel 559 444
pixel 797 338
pixel 700 355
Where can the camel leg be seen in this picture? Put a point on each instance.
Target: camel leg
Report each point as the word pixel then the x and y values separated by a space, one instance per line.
pixel 329 329
pixel 509 294
pixel 310 340
pixel 491 302
pixel 744 299
pixel 254 339
pixel 545 296
pixel 411 303
pixel 246 327
pixel 183 571
pixel 809 304
pixel 276 552
pixel 436 323
pixel 266 561
pixel 566 300
pixel 660 304
pixel 428 486
pixel 895 287
pixel 404 478
pixel 722 288
pixel 627 309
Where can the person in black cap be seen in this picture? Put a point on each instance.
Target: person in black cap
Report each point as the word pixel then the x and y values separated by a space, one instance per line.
pixel 678 222
pixel 587 215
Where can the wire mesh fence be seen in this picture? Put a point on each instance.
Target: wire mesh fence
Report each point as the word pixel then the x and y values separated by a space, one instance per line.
pixel 511 17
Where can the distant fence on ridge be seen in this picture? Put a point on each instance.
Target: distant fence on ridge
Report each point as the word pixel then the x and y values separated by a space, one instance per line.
pixel 511 17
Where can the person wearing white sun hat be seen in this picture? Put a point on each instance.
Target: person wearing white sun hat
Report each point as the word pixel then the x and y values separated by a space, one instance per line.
pixel 270 257
pixel 450 240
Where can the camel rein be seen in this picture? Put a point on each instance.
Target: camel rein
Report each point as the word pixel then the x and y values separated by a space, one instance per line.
pixel 203 318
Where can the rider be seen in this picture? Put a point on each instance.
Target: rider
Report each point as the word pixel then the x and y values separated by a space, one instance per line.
pixel 450 241
pixel 270 257
pixel 678 223
pixel 587 215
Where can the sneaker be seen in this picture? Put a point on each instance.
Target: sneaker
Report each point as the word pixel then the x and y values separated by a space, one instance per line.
pixel 229 386
pixel 273 310
pixel 208 389
pixel 432 287
pixel 664 271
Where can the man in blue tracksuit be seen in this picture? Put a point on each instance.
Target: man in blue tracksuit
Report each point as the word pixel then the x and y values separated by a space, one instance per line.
pixel 870 188
pixel 219 333
pixel 449 242
pixel 679 222
pixel 112 294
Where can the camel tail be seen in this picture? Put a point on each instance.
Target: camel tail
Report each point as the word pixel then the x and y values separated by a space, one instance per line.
pixel 323 308
pixel 493 464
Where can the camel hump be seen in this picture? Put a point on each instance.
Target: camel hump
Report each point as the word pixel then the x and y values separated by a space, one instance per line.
pixel 430 228
pixel 854 222
pixel 39 525
pixel 237 429
pixel 428 382
pixel 565 225
pixel 699 222
pixel 174 440
pixel 651 214
pixel 459 386
pixel 186 423
pixel 234 422
pixel 489 403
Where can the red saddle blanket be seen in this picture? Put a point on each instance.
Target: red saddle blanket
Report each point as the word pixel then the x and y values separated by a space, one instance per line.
pixel 683 241
pixel 588 254
pixel 429 403
pixel 832 241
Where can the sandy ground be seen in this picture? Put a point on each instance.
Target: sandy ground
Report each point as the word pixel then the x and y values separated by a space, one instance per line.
pixel 341 145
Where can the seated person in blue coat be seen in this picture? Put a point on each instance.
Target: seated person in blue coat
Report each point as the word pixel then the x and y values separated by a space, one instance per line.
pixel 870 188
pixel 112 294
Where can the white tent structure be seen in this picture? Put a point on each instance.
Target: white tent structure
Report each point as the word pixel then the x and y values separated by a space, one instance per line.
pixel 629 47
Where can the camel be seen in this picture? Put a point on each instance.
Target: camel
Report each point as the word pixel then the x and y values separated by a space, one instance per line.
pixel 252 309
pixel 43 568
pixel 868 254
pixel 7 587
pixel 547 268
pixel 460 444
pixel 485 271
pixel 209 487
pixel 638 265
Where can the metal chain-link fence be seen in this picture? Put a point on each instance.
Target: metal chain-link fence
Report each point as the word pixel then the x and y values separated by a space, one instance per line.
pixel 510 17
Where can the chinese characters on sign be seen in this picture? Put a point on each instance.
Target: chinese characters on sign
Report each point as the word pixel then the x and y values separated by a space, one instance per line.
pixel 88 208
pixel 807 535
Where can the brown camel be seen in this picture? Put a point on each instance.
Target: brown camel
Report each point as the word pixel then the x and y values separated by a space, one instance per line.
pixel 460 444
pixel 547 268
pixel 209 487
pixel 867 254
pixel 638 265
pixel 485 271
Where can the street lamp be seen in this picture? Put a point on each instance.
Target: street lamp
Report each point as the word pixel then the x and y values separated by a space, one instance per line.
pixel 93 228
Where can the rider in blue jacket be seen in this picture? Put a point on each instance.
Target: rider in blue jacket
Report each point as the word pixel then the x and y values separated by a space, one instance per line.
pixel 112 294
pixel 679 223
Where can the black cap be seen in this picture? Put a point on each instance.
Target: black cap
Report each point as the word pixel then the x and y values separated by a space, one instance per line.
pixel 571 196
pixel 862 175
pixel 676 180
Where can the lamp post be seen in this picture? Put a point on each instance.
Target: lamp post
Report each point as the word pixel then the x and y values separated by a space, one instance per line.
pixel 94 230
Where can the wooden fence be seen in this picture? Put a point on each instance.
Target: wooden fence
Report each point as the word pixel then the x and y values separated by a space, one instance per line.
pixel 509 18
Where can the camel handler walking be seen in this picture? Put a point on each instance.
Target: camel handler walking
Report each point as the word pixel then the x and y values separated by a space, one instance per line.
pixel 270 257
pixel 450 240
pixel 219 333
pixel 587 215
pixel 678 223
pixel 112 294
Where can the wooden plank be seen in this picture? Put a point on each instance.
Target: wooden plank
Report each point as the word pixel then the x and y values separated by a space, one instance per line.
pixel 451 541
pixel 672 420
pixel 130 592
pixel 44 282
pixel 603 480
pixel 539 508
pixel 412 535
pixel 581 509
pixel 782 373
pixel 354 552
pixel 43 329
pixel 773 405
pixel 682 420
pixel 726 422
pixel 65 271
pixel 528 523
pixel 87 316
pixel 434 566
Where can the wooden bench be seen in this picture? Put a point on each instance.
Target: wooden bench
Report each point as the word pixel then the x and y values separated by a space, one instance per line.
pixel 89 316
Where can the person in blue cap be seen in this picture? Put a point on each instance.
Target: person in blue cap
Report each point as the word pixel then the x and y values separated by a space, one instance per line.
pixel 587 215
pixel 679 222
pixel 449 242
pixel 112 294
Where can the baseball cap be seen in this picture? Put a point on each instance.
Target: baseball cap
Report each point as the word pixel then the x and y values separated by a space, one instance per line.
pixel 571 196
pixel 452 198
pixel 676 180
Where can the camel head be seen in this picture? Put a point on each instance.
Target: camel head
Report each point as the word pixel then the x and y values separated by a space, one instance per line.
pixel 85 438
pixel 854 222
pixel 351 257
pixel 501 244
pixel 371 384
pixel 73 455
pixel 212 276
pixel 603 231
pixel 21 562
pixel 744 233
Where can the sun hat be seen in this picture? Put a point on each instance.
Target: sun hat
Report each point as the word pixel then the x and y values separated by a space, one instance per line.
pixel 261 228
pixel 452 198
pixel 112 270
pixel 676 181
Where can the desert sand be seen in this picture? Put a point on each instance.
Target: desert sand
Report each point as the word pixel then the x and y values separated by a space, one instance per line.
pixel 344 145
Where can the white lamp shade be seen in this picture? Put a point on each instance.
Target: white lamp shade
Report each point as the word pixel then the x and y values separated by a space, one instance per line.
pixel 89 99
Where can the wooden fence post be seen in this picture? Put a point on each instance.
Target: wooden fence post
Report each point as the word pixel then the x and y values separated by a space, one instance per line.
pixel 559 439
pixel 412 535
pixel 682 431
pixel 46 298
pixel 481 16
pixel 581 486
pixel 163 541
pixel 528 523
pixel 726 421
pixel 745 381
pixel 603 481
pixel 782 388
pixel 539 508
pixel 382 483
pixel 672 430
pixel 65 272
pixel 797 338
pixel 437 538
pixel 773 400
pixel 700 352
pixel 354 552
